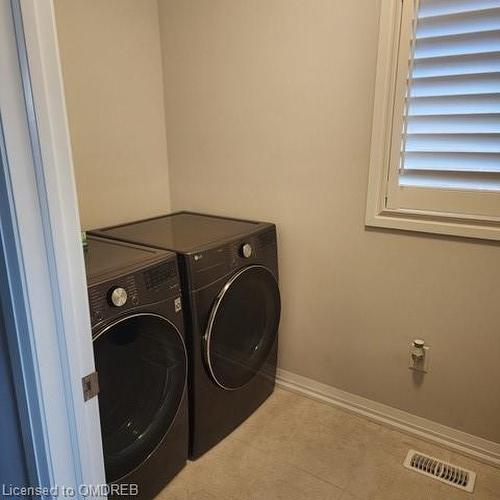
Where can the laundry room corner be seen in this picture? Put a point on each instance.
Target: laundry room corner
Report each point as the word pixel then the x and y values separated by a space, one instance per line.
pixel 112 68
pixel 269 109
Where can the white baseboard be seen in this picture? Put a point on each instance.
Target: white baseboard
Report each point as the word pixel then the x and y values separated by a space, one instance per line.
pixel 453 439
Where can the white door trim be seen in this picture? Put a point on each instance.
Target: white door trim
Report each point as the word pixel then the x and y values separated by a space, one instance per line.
pixel 41 208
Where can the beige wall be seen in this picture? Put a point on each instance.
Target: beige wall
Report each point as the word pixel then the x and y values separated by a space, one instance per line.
pixel 110 51
pixel 269 108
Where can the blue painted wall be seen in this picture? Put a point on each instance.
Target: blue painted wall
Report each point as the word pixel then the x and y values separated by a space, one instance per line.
pixel 12 461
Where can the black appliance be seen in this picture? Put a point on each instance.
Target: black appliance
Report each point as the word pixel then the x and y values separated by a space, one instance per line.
pixel 141 361
pixel 229 275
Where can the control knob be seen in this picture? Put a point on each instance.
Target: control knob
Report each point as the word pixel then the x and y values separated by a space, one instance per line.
pixel 118 296
pixel 246 250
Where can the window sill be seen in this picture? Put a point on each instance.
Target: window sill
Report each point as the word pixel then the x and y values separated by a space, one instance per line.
pixel 433 224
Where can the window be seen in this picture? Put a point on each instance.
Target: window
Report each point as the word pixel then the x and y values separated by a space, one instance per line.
pixel 435 158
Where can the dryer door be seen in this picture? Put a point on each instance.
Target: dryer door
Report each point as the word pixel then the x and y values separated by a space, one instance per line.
pixel 142 367
pixel 242 327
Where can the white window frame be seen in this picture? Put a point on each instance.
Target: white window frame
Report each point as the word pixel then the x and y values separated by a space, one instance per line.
pixel 395 23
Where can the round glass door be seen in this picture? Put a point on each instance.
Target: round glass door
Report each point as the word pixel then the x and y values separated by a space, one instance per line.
pixel 141 362
pixel 243 327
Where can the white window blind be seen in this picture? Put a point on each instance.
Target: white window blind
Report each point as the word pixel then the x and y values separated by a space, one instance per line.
pixel 451 126
pixel 435 150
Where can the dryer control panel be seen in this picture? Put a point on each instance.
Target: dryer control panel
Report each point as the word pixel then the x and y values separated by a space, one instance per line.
pixel 110 299
pixel 209 265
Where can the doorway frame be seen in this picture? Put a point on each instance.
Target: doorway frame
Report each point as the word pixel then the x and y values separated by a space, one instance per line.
pixel 43 292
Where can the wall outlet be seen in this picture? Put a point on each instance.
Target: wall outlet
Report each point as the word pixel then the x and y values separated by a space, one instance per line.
pixel 421 364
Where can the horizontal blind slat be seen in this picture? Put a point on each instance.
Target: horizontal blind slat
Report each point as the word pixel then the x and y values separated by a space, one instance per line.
pixel 462 143
pixel 453 124
pixel 457 65
pixel 453 162
pixel 455 105
pixel 450 180
pixel 433 8
pixel 449 45
pixel 464 22
pixel 481 83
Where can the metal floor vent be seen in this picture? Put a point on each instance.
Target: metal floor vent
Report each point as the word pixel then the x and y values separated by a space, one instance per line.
pixel 443 471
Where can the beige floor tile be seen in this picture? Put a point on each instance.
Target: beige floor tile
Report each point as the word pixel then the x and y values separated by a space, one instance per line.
pixel 233 470
pixel 331 456
pixel 348 496
pixel 421 487
pixel 220 473
pixel 487 484
pixel 183 488
pixel 374 474
pixel 399 443
pixel 229 470
pixel 286 482
pixel 488 478
pixel 412 486
pixel 175 491
pixel 381 476
pixel 314 437
pixel 294 448
pixel 275 422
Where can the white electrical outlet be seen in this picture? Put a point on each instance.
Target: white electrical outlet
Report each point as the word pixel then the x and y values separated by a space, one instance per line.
pixel 419 357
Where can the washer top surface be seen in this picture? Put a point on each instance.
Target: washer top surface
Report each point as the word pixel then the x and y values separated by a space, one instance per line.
pixel 106 258
pixel 183 232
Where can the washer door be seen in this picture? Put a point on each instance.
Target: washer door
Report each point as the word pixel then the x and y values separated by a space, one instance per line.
pixel 242 327
pixel 141 362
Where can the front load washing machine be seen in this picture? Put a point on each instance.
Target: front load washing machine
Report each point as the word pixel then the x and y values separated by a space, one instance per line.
pixel 141 361
pixel 229 274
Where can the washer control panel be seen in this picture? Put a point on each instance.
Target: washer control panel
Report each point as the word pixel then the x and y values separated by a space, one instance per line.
pixel 109 299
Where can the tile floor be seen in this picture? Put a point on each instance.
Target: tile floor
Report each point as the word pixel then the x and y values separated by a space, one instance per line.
pixel 294 448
